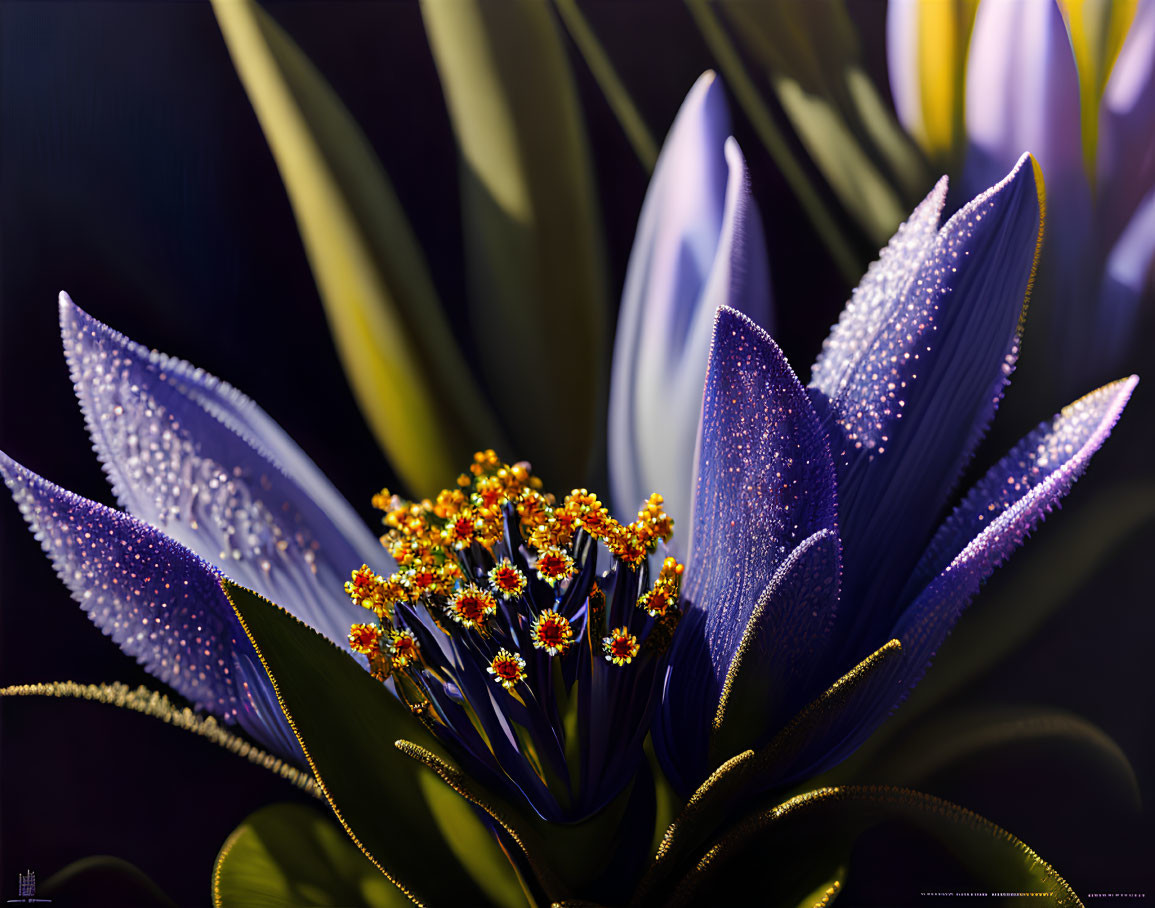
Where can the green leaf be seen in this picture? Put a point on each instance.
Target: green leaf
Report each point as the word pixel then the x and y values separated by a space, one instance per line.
pixel 532 230
pixel 410 380
pixel 103 880
pixel 810 55
pixel 808 821
pixel 602 68
pixel 565 857
pixel 825 892
pixel 477 849
pixel 287 854
pixel 158 706
pixel 954 739
pixel 838 245
pixel 751 772
pixel 348 725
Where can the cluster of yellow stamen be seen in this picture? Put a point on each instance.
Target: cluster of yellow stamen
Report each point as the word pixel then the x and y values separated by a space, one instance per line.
pixel 471 606
pixel 552 632
pixel 434 542
pixel 506 580
pixel 664 596
pixel 507 669
pixel 620 646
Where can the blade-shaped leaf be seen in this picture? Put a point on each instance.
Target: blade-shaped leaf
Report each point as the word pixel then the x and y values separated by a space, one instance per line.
pixel 157 705
pixel 410 380
pixel 993 854
pixel 954 740
pixel 810 55
pixel 533 240
pixel 814 739
pixel 348 723
pixel 288 854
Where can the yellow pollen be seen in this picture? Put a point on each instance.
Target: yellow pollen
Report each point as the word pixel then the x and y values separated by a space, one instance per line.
pixel 620 646
pixel 507 668
pixel 402 648
pixel 552 632
pixel 553 565
pixel 664 596
pixel 507 580
pixel 471 607
pixel 365 638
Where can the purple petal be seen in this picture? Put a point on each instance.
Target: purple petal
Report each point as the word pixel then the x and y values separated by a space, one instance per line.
pixel 765 483
pixel 1127 278
pixel 777 670
pixel 699 245
pixel 765 480
pixel 992 521
pixel 877 300
pixel 158 601
pixel 1022 92
pixel 917 386
pixel 1127 125
pixel 1020 489
pixel 196 458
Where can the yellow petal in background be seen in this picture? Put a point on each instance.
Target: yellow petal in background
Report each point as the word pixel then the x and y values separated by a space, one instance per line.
pixel 943 37
pixel 409 378
pixel 532 231
pixel 1097 29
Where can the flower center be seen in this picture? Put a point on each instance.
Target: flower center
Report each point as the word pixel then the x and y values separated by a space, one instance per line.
pixel 496 583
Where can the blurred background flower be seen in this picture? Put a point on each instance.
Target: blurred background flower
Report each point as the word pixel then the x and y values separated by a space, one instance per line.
pixel 976 82
pixel 144 181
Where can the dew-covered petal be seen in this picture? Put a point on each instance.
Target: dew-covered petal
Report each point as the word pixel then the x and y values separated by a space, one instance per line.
pixel 773 674
pixel 922 389
pixel 1021 487
pixel 699 245
pixel 765 480
pixel 159 602
pixel 877 300
pixel 196 458
pixel 993 521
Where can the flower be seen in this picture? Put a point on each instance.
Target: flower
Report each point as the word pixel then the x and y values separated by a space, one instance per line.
pixel 1041 74
pixel 816 591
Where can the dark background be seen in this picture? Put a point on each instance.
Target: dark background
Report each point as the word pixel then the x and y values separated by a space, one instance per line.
pixel 133 174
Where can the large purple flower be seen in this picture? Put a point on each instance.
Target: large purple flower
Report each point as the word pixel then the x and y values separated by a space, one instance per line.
pixel 816 593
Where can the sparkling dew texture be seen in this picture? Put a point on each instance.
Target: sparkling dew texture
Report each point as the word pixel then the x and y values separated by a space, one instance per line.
pixel 154 598
pixel 190 455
